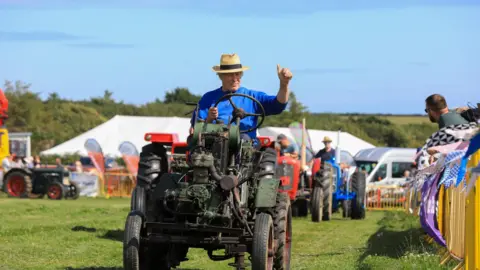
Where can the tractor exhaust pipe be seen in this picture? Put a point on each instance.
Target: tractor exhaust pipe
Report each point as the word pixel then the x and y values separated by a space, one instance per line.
pixel 338 150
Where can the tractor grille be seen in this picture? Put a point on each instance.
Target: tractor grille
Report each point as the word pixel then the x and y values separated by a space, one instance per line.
pixel 285 173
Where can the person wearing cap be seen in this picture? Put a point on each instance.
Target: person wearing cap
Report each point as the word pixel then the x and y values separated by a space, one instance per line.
pixel 327 153
pixel 230 71
pixel 286 147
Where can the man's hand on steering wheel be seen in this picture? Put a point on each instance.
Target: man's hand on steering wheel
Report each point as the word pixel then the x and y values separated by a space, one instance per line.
pixel 212 114
pixel 239 112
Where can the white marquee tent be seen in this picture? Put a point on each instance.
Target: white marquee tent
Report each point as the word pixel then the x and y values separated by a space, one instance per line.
pixel 133 128
pixel 120 129
pixel 348 142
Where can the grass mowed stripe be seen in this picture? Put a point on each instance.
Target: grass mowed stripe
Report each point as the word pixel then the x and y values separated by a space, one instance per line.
pixel 87 234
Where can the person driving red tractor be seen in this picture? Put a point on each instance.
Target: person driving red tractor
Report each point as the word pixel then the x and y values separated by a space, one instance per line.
pixel 230 71
pixel 286 148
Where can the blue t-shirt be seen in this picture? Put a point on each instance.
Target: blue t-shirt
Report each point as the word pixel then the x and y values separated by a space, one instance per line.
pixel 290 149
pixel 270 103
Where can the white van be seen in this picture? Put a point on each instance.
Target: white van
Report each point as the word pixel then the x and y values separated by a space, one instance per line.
pixel 385 166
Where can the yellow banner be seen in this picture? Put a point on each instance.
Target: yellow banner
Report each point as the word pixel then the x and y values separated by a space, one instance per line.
pixel 4 144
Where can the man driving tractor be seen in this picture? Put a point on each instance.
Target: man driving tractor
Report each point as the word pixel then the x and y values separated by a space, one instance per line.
pixel 328 152
pixel 287 148
pixel 230 71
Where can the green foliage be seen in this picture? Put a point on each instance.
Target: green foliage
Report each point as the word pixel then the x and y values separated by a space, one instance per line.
pixel 181 95
pixel 66 159
pixel 55 119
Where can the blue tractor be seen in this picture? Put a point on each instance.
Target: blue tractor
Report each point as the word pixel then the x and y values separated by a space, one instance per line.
pixel 334 188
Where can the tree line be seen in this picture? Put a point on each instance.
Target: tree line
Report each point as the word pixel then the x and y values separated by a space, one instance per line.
pixel 55 119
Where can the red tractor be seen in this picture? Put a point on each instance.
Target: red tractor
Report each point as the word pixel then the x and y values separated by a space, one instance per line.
pixel 295 182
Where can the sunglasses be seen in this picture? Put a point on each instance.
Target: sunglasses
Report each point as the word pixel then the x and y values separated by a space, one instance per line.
pixel 426 110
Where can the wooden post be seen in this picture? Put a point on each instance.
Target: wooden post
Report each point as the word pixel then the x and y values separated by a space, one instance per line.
pixel 304 145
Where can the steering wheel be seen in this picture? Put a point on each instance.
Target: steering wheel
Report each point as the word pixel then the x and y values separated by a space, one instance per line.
pixel 240 113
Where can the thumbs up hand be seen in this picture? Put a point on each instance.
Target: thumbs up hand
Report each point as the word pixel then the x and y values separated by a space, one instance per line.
pixel 284 74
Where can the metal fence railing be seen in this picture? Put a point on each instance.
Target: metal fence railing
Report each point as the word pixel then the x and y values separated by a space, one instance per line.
pixel 386 198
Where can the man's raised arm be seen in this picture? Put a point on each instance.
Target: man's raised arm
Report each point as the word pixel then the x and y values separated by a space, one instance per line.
pixel 277 104
pixel 284 75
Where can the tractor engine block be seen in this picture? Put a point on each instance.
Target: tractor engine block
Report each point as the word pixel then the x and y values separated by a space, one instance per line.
pixel 201 200
pixel 202 194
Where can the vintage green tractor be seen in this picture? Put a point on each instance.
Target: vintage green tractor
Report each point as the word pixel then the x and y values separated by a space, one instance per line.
pixel 220 195
pixel 38 182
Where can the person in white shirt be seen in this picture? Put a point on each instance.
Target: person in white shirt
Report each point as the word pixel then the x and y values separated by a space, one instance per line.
pixel 16 162
pixel 7 163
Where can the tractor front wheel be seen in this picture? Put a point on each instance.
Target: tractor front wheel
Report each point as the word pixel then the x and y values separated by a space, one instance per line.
pixel 138 199
pixel 263 243
pixel 317 204
pixel 322 193
pixel 358 186
pixel 322 199
pixel 132 250
pixel 138 255
pixel 55 191
pixel 283 232
pixel 73 191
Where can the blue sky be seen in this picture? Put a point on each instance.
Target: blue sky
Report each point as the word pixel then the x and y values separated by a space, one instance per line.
pixel 346 56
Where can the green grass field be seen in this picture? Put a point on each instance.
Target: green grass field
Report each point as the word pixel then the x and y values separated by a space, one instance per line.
pixel 87 234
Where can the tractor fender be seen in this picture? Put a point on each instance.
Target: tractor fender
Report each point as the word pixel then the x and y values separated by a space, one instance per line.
pixel 20 170
pixel 267 192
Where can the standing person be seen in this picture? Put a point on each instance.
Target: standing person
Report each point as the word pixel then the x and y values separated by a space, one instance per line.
pixel 327 153
pixel 7 163
pixel 58 162
pixel 16 162
pixel 78 166
pixel 438 112
pixel 37 162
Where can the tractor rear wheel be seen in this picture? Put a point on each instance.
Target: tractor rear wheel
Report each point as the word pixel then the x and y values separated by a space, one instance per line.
pixel 18 184
pixel 263 243
pixel 322 194
pixel 317 204
pixel 358 186
pixel 152 165
pixel 283 232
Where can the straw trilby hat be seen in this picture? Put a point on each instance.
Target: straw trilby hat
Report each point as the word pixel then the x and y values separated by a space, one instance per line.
pixel 327 139
pixel 229 63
